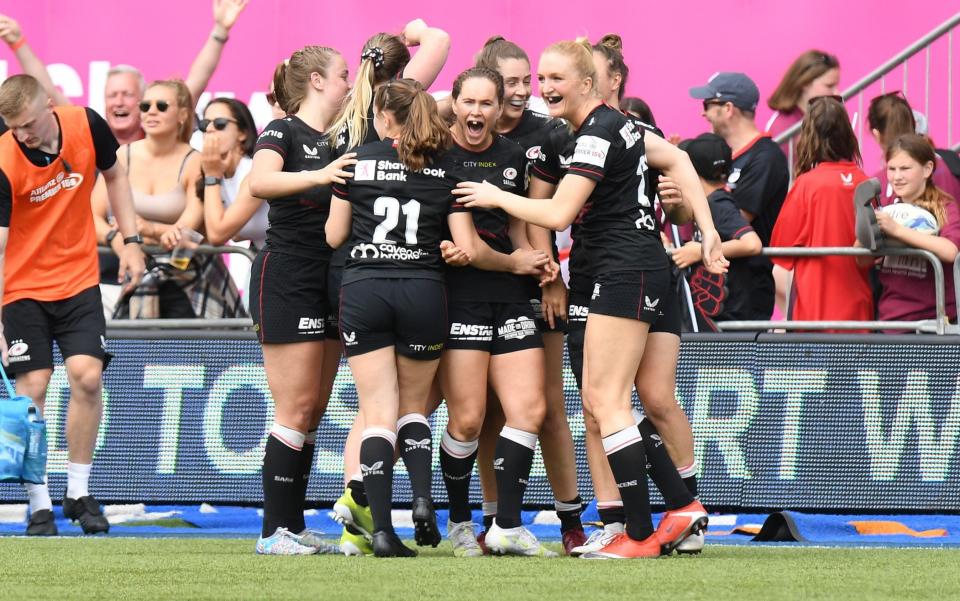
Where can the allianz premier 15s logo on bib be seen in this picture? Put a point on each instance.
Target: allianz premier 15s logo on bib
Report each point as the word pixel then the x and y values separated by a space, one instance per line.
pixel 54 186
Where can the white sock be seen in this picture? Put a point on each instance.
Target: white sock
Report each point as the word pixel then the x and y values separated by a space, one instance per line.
pixel 39 497
pixel 78 477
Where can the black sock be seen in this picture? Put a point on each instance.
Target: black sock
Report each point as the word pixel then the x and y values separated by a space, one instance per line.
pixel 376 463
pixel 297 523
pixel 281 479
pixel 612 514
pixel 358 492
pixel 627 462
pixel 511 464
pixel 416 450
pixel 662 471
pixel 569 513
pixel 456 463
pixel 691 482
pixel 489 512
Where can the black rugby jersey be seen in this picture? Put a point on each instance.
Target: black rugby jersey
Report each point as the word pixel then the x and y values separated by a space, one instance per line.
pixel 296 222
pixel 531 131
pixel 398 215
pixel 341 146
pixel 551 165
pixel 617 223
pixel 502 164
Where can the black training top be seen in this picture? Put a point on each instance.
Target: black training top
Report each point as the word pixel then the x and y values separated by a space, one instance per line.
pixel 502 164
pixel 296 221
pixel 759 179
pixel 398 215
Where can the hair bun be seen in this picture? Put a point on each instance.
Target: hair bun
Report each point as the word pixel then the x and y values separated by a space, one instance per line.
pixel 612 40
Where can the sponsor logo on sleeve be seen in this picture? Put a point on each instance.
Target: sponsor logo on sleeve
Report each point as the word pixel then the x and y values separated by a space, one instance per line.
pixel 591 150
pixel 630 134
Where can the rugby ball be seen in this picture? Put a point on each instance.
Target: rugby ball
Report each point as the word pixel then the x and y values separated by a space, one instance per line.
pixel 913 217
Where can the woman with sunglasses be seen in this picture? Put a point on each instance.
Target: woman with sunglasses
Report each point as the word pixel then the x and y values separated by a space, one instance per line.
pixel 817 213
pixel 162 169
pixel 605 193
pixel 229 210
pixel 814 73
pixel 517 122
pixel 384 57
pixel 293 170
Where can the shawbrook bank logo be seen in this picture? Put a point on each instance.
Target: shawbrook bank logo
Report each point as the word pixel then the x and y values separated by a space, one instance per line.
pixel 63 181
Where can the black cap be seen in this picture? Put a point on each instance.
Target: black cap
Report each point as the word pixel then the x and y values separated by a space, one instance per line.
pixel 730 87
pixel 710 155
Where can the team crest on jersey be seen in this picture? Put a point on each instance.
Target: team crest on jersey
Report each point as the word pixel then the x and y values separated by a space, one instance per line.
pixel 365 171
pixel 509 177
pixel 534 153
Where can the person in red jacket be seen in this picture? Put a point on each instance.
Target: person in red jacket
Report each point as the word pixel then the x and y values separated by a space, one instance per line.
pixel 818 211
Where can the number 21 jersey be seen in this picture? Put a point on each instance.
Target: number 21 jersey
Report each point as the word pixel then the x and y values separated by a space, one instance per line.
pixel 398 215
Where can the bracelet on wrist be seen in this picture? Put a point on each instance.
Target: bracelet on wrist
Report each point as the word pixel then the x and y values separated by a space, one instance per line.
pixel 220 38
pixel 19 43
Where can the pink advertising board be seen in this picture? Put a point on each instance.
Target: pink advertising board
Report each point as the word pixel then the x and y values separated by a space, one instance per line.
pixel 669 46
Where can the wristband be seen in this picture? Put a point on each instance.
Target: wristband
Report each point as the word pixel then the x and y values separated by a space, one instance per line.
pixel 134 239
pixel 19 43
pixel 222 40
pixel 111 235
pixel 210 180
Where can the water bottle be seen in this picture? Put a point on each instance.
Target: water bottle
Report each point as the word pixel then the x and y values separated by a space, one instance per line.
pixel 35 458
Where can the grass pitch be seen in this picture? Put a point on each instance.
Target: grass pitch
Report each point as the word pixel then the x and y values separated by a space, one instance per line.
pixel 128 569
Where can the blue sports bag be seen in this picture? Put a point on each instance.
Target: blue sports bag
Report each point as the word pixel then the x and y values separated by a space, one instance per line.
pixel 23 438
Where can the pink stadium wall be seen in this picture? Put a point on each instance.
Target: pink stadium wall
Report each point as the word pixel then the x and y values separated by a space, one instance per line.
pixel 670 46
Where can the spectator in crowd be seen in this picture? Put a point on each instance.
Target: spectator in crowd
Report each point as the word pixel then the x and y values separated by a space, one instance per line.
pixel 163 169
pixel 718 297
pixel 889 117
pixel 814 73
pixel 125 85
pixel 229 210
pixel 759 176
pixel 908 283
pixel 818 212
pixel 639 109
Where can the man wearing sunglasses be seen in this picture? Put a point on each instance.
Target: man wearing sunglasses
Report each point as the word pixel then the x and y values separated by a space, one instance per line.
pixel 759 177
pixel 49 273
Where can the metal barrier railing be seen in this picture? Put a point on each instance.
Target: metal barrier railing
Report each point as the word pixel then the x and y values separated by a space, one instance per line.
pixel 243 323
pixel 203 249
pixel 940 325
pixel 879 75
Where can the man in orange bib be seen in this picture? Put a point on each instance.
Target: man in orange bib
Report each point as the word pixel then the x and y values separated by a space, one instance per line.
pixel 49 272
